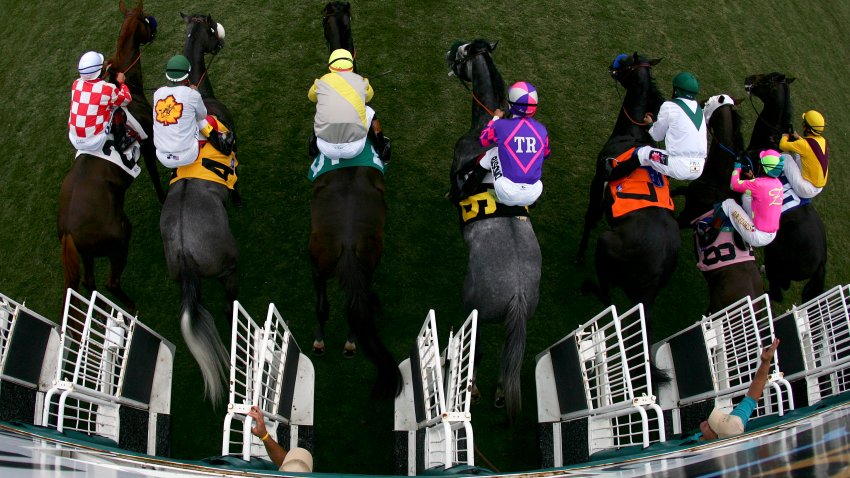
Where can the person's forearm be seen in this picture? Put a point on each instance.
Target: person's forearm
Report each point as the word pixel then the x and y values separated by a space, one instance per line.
pixel 759 381
pixel 275 451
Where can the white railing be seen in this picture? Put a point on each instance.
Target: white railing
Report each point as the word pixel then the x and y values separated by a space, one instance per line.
pixel 261 358
pixel 95 341
pixel 611 355
pixel 823 326
pixel 437 397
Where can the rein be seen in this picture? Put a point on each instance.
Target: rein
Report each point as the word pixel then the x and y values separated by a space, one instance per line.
pixel 474 97
pixel 632 120
pixel 628 70
pixel 204 75
pixel 777 129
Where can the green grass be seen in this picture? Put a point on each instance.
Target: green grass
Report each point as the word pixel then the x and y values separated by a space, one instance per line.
pixel 275 49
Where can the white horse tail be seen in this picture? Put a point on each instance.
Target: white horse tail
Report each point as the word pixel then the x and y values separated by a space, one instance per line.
pixel 201 335
pixel 513 352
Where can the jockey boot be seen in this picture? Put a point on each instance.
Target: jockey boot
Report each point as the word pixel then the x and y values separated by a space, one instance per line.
pixel 120 134
pixel 382 144
pixel 235 197
pixel 312 147
pixel 473 180
pixel 706 233
pixel 739 240
pixel 222 141
pixel 615 169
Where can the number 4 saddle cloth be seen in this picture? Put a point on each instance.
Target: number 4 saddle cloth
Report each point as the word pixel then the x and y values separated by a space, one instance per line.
pixel 722 252
pixel 211 165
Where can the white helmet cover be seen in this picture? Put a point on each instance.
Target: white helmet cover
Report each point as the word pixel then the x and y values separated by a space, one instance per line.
pixel 91 63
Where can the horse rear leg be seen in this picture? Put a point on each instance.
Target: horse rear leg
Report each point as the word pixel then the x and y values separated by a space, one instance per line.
pixel 230 280
pixel 117 263
pixel 816 284
pixel 149 153
pixel 88 273
pixel 323 310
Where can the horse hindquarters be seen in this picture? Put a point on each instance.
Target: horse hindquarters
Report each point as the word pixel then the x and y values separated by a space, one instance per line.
pixel 197 243
pixel 797 253
pixel 502 282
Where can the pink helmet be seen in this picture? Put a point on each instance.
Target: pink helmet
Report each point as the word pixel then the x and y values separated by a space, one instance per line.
pixel 522 98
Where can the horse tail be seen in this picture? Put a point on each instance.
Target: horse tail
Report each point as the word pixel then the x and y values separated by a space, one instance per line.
pixel 70 262
pixel 361 304
pixel 201 336
pixel 513 352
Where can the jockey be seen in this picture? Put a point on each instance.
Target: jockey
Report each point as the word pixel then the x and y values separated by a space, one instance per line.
pixel 343 120
pixel 759 227
pixel 522 146
pixel 682 126
pixel 807 170
pixel 93 103
pixel 180 118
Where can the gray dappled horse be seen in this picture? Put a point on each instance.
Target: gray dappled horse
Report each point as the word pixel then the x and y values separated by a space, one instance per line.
pixel 640 251
pixel 196 232
pixel 91 221
pixel 798 252
pixel 503 275
pixel 347 217
pixel 729 283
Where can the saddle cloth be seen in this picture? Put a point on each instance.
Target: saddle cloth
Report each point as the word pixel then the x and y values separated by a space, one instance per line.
pixel 211 165
pixel 720 253
pixel 131 155
pixel 369 157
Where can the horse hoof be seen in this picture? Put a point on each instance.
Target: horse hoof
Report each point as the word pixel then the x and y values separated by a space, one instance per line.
pixel 318 348
pixel 349 351
pixel 476 396
pixel 499 402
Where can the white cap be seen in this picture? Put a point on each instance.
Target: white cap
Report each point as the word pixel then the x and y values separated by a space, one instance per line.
pixel 298 460
pixel 90 65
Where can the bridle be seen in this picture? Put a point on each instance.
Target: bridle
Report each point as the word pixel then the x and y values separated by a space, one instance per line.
pixel 627 70
pixel 748 89
pixel 202 21
pixel 151 24
pixel 461 57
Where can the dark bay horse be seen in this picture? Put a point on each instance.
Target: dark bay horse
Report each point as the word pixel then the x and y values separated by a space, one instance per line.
pixel 798 253
pixel 348 213
pixel 91 221
pixel 503 275
pixel 127 59
pixel 731 272
pixel 195 227
pixel 640 251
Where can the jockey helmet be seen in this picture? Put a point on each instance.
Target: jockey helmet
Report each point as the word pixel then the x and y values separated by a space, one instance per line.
pixel 772 162
pixel 340 60
pixel 814 121
pixel 618 61
pixel 685 85
pixel 522 99
pixel 177 68
pixel 90 65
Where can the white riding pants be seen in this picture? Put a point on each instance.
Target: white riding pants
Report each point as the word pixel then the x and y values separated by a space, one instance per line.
pixel 743 223
pixel 677 167
pixel 794 175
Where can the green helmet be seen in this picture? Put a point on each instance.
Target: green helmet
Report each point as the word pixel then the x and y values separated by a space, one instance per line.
pixel 177 68
pixel 685 84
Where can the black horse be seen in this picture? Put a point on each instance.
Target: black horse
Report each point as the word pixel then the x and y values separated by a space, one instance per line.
pixel 798 253
pixel 348 213
pixel 503 276
pixel 195 228
pixel 730 271
pixel 640 251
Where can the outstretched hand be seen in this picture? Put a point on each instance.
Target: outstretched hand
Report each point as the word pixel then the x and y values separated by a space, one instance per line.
pixel 259 428
pixel 769 351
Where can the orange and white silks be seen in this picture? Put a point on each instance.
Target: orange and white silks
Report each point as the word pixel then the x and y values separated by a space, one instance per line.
pixel 211 165
pixel 643 188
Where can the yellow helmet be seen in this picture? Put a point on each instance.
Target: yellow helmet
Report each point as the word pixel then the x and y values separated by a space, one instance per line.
pixel 814 121
pixel 340 60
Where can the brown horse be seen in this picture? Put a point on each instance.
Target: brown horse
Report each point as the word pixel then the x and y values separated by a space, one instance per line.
pixel 91 221
pixel 348 213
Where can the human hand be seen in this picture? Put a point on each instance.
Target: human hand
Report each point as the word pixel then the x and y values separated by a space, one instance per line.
pixel 647 118
pixel 768 353
pixel 498 112
pixel 119 77
pixel 259 429
pixel 795 135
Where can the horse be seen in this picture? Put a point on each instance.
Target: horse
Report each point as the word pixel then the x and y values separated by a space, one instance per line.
pixel 336 23
pixel 347 218
pixel 91 221
pixel 127 56
pixel 195 228
pixel 798 253
pixel 640 251
pixel 730 271
pixel 503 272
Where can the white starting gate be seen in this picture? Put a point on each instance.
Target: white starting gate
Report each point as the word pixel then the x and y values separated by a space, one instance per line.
pixel 268 370
pixel 596 382
pixel 823 330
pixel 716 359
pixel 433 423
pixel 28 351
pixel 108 359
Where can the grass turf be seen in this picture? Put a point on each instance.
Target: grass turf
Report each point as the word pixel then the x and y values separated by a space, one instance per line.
pixel 274 50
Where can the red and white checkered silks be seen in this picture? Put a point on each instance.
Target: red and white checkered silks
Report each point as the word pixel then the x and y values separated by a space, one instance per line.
pixel 92 102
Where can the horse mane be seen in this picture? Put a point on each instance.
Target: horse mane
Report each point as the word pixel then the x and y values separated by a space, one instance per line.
pixel 497 82
pixel 125 37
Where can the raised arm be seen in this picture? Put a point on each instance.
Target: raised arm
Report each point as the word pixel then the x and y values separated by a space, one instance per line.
pixel 276 452
pixel 760 380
